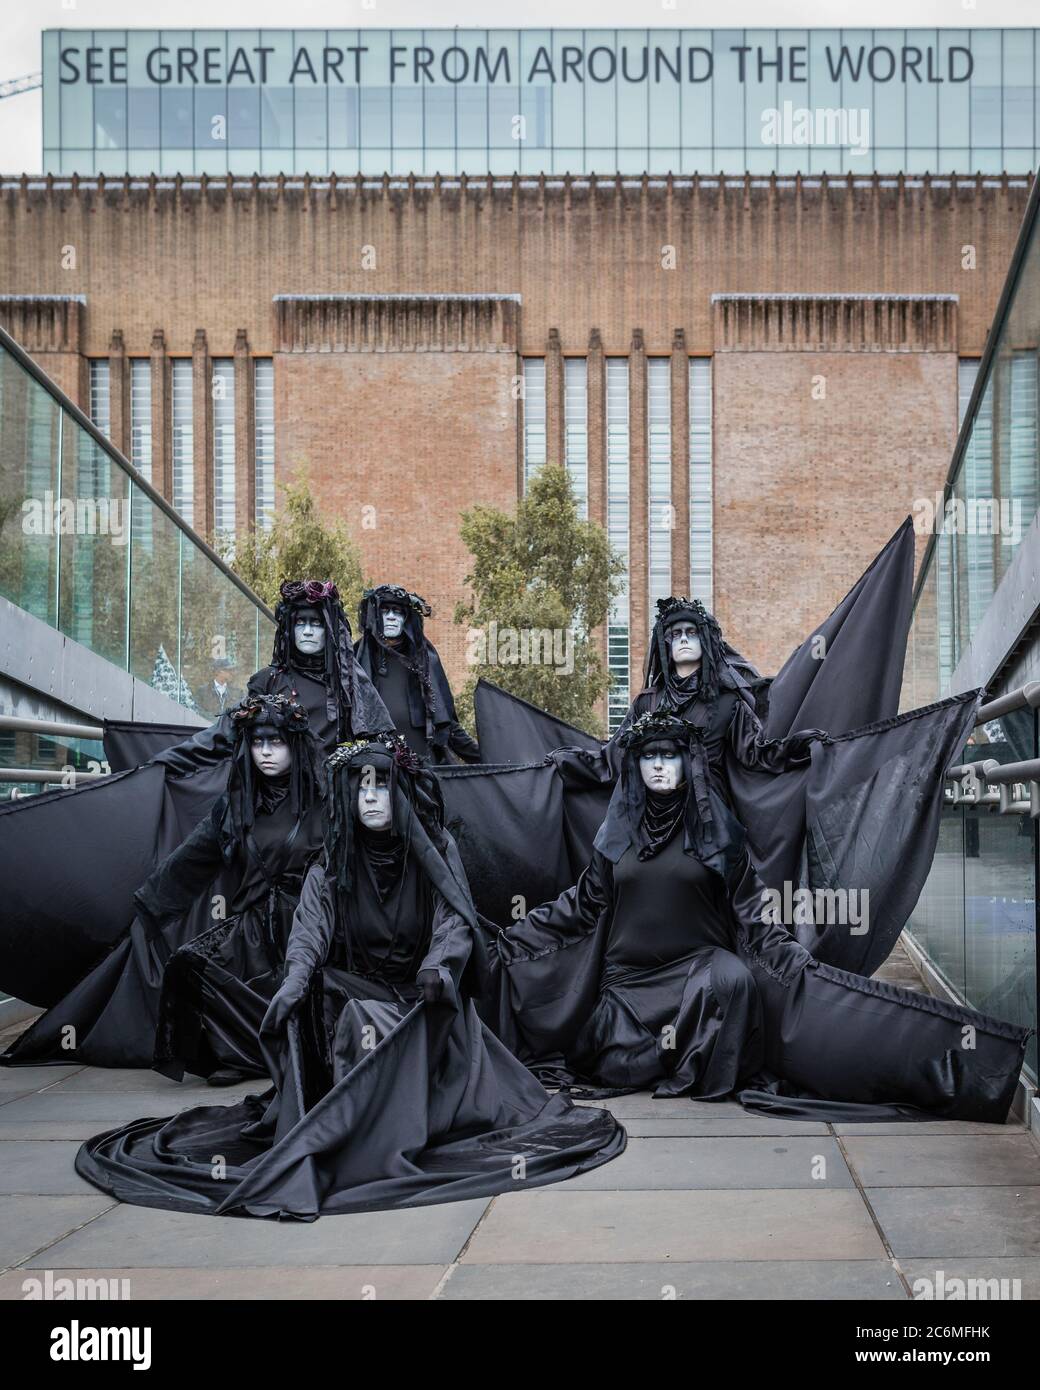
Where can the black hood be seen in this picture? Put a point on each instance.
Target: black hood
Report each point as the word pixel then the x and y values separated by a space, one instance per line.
pixel 351 703
pixel 711 833
pixel 248 791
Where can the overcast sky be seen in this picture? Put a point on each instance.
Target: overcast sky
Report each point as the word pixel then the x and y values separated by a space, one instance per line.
pixel 22 23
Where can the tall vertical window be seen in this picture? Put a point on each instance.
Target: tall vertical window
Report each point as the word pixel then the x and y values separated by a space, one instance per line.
pixel 534 416
pixel 617 532
pixel 223 388
pixel 183 453
pixel 141 415
pixel 701 570
pixel 576 428
pixel 263 441
pixel 660 514
pixel 100 394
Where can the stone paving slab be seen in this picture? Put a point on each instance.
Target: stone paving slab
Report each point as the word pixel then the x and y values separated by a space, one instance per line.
pixel 958 1160
pixel 32 1078
pixel 561 1225
pixel 705 1279
pixel 121 1081
pixel 730 1117
pixel 952 1222
pixel 28 1224
pixel 105 1110
pixel 675 1163
pixel 336 1282
pixel 946 1128
pixel 693 1128
pixel 40 1168
pixel 140 1237
pixel 1024 1269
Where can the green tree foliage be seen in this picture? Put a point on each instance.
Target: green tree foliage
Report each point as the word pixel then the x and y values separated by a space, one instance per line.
pixel 300 544
pixel 540 570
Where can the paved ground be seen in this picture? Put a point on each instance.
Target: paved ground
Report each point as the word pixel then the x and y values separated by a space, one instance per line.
pixel 706 1202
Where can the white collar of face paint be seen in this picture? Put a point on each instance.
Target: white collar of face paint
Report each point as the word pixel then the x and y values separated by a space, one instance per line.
pixel 308 635
pixel 374 807
pixel 270 754
pixel 660 771
pixel 393 622
pixel 685 648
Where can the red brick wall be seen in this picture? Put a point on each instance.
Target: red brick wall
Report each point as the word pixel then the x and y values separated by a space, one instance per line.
pixel 807 491
pixel 417 436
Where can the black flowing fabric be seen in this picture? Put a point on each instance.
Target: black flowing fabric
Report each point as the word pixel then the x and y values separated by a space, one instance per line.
pixel 511 730
pixel 71 862
pixel 380 1100
pixel 128 745
pixel 660 973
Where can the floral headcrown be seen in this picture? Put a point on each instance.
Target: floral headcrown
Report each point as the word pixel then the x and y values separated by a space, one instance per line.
pixel 277 709
pixel 406 758
pixel 308 590
pixel 402 595
pixel 657 724
pixel 674 604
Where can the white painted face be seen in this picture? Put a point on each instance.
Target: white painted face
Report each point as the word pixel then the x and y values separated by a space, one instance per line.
pixel 660 766
pixel 308 632
pixel 393 621
pixel 374 804
pixel 270 754
pixel 685 647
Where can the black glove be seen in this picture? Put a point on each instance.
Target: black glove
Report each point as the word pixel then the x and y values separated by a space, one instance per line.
pixel 431 985
pixel 284 1004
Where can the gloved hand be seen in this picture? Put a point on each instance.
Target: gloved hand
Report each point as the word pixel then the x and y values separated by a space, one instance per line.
pixel 283 1005
pixel 431 985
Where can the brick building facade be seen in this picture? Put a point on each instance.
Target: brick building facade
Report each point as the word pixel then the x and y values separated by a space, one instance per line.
pixel 749 379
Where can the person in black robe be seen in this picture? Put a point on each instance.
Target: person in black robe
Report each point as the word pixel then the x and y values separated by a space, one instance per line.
pixel 395 653
pixel 667 966
pixel 266 829
pixel 389 1091
pixel 245 857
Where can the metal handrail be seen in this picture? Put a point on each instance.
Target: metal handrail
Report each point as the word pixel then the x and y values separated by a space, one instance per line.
pixel 69 776
pixel 1014 699
pixel 10 345
pixel 23 724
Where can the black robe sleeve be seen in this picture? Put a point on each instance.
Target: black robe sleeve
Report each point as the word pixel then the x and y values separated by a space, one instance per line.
pixel 748 745
pixel 183 876
pixel 312 928
pixel 450 946
pixel 209 746
pixel 552 959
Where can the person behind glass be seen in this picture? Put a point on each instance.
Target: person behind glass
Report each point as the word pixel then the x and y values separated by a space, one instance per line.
pixel 405 668
pixel 221 691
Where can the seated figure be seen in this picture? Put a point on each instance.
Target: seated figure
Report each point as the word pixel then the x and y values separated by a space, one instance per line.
pixel 389 1091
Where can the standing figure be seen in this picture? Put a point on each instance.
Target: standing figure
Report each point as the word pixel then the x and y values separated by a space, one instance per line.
pixel 667 967
pixel 389 1091
pixel 403 664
